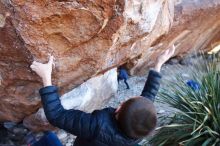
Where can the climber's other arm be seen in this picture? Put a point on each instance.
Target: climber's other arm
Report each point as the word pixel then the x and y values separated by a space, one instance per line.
pixel 152 84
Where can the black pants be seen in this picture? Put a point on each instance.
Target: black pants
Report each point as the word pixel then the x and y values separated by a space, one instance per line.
pixel 125 81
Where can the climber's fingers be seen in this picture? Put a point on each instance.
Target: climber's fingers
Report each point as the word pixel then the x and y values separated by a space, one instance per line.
pixel 51 59
pixel 167 52
pixel 164 53
pixel 33 67
pixel 35 63
pixel 173 49
pixel 170 52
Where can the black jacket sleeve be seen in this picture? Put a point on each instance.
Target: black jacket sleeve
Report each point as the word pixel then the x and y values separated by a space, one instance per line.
pixel 73 121
pixel 152 85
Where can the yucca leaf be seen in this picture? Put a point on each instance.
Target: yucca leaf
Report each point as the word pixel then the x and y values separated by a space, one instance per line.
pixel 207 141
pixel 197 113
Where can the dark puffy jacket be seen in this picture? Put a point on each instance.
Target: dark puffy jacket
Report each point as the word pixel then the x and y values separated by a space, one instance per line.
pixel 98 128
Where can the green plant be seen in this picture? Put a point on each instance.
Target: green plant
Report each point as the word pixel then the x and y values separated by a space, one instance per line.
pixel 197 118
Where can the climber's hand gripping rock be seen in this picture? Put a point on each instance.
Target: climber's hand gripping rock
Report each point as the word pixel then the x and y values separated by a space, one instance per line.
pixel 44 70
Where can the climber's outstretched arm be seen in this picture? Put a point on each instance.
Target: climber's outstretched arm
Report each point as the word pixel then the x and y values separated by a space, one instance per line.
pixel 76 122
pixel 152 84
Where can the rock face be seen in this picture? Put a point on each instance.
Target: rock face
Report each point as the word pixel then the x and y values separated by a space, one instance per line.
pixel 86 38
pixel 196 26
pixel 90 37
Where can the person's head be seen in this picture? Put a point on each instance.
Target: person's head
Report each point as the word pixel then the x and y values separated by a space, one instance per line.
pixel 136 117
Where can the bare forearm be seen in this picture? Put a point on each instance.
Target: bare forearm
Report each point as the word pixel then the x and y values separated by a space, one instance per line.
pixel 47 81
pixel 158 67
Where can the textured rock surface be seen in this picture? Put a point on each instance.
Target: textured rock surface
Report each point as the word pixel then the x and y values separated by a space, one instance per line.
pixel 91 37
pixel 86 37
pixel 87 97
pixel 196 26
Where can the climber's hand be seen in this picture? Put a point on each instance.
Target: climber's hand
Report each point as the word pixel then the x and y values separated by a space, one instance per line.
pixel 44 70
pixel 164 57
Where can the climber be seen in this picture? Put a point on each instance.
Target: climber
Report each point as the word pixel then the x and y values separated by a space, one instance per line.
pixel 125 126
pixel 123 75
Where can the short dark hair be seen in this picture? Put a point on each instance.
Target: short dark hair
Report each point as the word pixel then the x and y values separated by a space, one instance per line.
pixel 137 117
